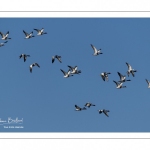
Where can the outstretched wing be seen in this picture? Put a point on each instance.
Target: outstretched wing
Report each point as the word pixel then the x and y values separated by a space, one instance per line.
pixel 129 67
pixel 37 30
pixel 93 104
pixel 70 67
pixel 53 59
pixel 105 112
pixel 120 75
pixel 25 57
pixel 115 82
pixel 25 33
pixel 1 34
pixel 132 73
pixel 7 34
pixel 59 58
pixel 31 33
pixel 5 41
pixel 37 64
pixel 20 56
pixel 147 81
pixel 94 48
pixel 75 68
pixel 63 71
pixel 103 77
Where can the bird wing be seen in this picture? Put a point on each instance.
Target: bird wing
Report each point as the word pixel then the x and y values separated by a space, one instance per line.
pixel 70 67
pixel 37 30
pixel 5 41
pixel 20 56
pixel 105 112
pixel 7 34
pixel 115 82
pixel 86 104
pixel 25 33
pixel 147 81
pixel 77 107
pixel 25 57
pixel 103 77
pixel 94 48
pixel 1 34
pixel 76 68
pixel 93 105
pixel 129 67
pixel 31 68
pixel 59 58
pixel 63 71
pixel 120 75
pixel 132 73
pixel 53 59
pixel 83 108
pixel 37 64
pixel 31 33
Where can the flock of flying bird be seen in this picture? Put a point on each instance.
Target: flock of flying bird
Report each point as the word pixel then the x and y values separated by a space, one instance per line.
pixel 104 75
pixel 74 70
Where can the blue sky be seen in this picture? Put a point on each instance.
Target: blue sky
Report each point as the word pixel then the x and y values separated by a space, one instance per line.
pixel 45 99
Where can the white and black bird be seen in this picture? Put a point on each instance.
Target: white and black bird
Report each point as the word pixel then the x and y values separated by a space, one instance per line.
pixel 27 35
pixel 79 108
pixel 74 70
pixel 24 56
pixel 104 111
pixel 104 75
pixel 148 83
pixel 32 65
pixel 57 57
pixel 5 36
pixel 2 44
pixel 40 32
pixel 122 77
pixel 66 74
pixel 119 85
pixel 88 104
pixel 96 51
pixel 130 70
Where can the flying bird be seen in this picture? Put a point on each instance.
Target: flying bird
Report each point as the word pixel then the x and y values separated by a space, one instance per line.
pixel 130 70
pixel 148 83
pixel 79 108
pixel 104 111
pixel 57 57
pixel 40 32
pixel 119 85
pixel 28 36
pixel 66 74
pixel 2 44
pixel 24 56
pixel 88 104
pixel 32 65
pixel 5 36
pixel 104 75
pixel 122 77
pixel 74 70
pixel 96 52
